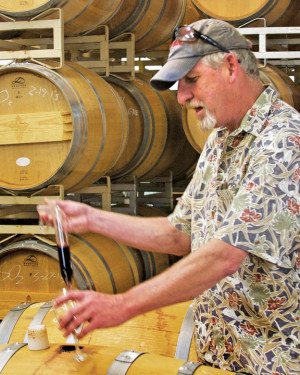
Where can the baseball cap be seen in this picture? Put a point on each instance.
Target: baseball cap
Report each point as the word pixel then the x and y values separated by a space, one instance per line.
pixel 183 55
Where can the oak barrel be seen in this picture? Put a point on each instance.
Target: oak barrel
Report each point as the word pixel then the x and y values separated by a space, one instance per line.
pixel 156 137
pixel 63 127
pixel 190 15
pixel 196 136
pixel 152 21
pixel 239 12
pixel 79 15
pixel 154 262
pixel 29 268
pixel 288 91
pixel 100 360
pixel 166 331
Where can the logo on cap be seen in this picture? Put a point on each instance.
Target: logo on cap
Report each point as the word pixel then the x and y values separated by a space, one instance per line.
pixel 176 43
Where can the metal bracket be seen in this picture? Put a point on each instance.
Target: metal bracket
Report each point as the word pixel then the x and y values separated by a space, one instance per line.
pixel 122 363
pixel 120 64
pixel 90 51
pixel 93 50
pixel 14 206
pixel 10 320
pixel 185 336
pixel 35 49
pixel 188 368
pixel 129 191
pixel 92 192
pixel 103 55
pixel 124 195
pixel 157 191
pixel 263 53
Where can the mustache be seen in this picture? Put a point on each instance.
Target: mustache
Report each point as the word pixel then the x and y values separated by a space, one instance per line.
pixel 195 104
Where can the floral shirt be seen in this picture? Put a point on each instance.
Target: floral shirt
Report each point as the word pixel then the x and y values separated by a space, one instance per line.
pixel 245 191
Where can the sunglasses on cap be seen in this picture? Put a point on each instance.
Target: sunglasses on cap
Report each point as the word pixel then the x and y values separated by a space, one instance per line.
pixel 188 34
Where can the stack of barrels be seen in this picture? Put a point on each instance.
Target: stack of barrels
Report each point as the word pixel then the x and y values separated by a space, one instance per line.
pixel 71 127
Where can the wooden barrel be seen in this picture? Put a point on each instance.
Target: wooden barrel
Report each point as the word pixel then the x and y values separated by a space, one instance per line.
pixel 29 268
pixel 79 16
pixel 147 128
pixel 156 136
pixel 154 263
pixel 100 360
pixel 185 163
pixel 239 12
pixel 288 91
pixel 166 331
pixel 152 21
pixel 63 127
pixel 194 134
pixel 191 13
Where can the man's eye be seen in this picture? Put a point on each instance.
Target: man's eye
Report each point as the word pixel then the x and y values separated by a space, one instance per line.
pixel 191 79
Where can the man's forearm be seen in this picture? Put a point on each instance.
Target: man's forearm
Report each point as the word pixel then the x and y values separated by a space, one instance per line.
pixel 154 234
pixel 186 279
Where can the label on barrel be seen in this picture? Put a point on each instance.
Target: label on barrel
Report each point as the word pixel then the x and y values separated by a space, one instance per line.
pixel 23 162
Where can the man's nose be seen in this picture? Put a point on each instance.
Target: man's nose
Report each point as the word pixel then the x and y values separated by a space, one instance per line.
pixel 184 93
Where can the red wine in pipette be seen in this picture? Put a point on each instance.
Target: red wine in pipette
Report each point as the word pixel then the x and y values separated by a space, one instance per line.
pixel 65 264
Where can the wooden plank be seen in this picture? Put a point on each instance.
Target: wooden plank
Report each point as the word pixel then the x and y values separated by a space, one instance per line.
pixel 35 127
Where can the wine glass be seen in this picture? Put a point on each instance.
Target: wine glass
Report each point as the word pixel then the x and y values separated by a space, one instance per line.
pixel 60 311
pixel 58 219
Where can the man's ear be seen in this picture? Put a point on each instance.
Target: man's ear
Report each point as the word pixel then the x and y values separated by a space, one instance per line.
pixel 232 67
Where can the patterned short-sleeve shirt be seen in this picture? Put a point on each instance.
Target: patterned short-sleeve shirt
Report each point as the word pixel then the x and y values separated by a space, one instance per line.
pixel 245 191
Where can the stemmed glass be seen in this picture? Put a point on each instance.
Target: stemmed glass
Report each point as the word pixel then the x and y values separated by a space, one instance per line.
pixel 61 311
pixel 59 220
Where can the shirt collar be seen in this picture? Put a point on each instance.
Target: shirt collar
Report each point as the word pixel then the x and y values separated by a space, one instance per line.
pixel 255 119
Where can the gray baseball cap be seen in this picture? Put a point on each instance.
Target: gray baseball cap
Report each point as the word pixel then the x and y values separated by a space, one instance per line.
pixel 183 56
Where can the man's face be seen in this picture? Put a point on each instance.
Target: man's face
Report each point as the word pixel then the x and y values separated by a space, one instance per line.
pixel 203 89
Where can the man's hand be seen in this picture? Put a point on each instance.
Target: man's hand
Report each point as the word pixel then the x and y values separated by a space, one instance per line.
pixel 97 310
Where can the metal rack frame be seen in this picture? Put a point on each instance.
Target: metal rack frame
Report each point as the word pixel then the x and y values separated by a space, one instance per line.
pixel 13 49
pixel 264 44
pixel 93 50
pixel 17 207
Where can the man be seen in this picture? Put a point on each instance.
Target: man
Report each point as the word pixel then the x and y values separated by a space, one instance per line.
pixel 237 223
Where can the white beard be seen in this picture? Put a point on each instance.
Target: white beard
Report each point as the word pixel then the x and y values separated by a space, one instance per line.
pixel 209 121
